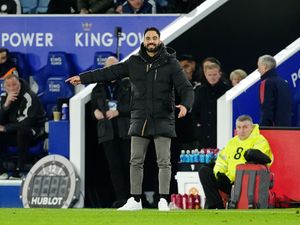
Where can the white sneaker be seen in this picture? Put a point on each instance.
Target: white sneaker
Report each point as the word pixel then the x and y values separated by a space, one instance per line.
pixel 163 205
pixel 4 176
pixel 131 205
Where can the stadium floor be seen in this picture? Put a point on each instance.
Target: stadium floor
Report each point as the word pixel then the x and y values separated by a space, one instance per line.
pixel 148 217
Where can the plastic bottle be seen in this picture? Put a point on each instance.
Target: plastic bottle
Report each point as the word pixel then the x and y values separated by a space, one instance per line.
pixel 65 111
pixel 188 156
pixel 196 156
pixel 207 156
pixel 202 156
pixel 182 157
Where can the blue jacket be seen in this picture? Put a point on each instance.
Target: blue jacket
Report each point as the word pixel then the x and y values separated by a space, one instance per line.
pixel 275 100
pixel 147 8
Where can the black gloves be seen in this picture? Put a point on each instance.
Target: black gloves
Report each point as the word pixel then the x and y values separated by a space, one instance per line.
pixel 256 156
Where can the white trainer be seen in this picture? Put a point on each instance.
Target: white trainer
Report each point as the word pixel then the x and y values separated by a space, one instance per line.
pixel 131 205
pixel 163 205
pixel 4 176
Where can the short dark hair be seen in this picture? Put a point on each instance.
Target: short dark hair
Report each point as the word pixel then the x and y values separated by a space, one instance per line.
pixel 186 57
pixel 152 29
pixel 4 50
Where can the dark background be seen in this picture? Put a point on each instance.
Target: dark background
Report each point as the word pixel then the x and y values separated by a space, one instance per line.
pixel 242 30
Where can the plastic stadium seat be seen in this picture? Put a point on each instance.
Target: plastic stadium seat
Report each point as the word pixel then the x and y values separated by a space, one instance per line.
pixel 23 66
pixel 42 6
pixel 100 58
pixel 50 80
pixel 56 88
pixel 58 65
pixel 29 6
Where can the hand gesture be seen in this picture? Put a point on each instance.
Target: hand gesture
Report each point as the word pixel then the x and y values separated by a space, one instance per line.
pixel 182 111
pixel 75 80
pixel 11 97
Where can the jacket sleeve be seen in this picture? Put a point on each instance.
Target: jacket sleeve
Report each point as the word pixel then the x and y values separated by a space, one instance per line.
pixel 124 106
pixel 263 145
pixel 30 110
pixel 267 101
pixel 183 87
pixel 221 162
pixel 114 72
pixel 101 6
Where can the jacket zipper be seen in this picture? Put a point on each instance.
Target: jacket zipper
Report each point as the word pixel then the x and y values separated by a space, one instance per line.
pixel 144 126
pixel 155 74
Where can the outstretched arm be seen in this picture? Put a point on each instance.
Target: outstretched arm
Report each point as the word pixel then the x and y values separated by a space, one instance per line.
pixel 74 80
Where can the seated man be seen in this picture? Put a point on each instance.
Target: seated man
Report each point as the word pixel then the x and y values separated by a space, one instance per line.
pixel 22 119
pixel 247 146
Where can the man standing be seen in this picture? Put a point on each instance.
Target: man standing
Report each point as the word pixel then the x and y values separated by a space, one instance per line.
pixel 153 73
pixel 22 119
pixel 275 95
pixel 247 146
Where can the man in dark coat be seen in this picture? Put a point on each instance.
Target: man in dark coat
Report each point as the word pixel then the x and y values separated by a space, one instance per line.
pixel 204 111
pixel 153 72
pixel 111 108
pixel 22 119
pixel 275 95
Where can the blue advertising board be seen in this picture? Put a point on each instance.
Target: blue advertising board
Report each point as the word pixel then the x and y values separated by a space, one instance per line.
pixel 79 35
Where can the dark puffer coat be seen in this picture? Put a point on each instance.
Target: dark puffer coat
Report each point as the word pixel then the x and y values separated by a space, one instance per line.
pixel 152 88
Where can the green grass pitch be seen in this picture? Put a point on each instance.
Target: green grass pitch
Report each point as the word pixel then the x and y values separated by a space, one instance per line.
pixel 148 217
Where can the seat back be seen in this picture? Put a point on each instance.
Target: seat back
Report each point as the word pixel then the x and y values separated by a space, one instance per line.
pixel 100 58
pixel 42 6
pixel 28 6
pixel 22 64
pixel 56 88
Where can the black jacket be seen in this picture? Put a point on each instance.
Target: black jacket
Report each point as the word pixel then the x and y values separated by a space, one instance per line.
pixel 103 93
pixel 26 111
pixel 204 113
pixel 275 100
pixel 152 89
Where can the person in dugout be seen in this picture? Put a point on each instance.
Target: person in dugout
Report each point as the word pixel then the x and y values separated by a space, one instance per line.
pixel 247 146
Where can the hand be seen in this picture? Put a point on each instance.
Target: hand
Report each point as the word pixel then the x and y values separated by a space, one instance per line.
pixel 182 111
pixel 119 9
pixel 75 80
pixel 2 128
pixel 111 114
pixel 84 11
pixel 11 97
pixel 98 114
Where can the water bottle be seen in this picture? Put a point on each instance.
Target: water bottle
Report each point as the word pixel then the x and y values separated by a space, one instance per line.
pixel 188 156
pixel 65 111
pixel 207 156
pixel 202 156
pixel 196 156
pixel 182 156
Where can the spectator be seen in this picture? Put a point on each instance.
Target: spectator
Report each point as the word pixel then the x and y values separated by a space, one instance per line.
pixel 10 7
pixel 190 68
pixel 153 72
pixel 210 60
pixel 22 119
pixel 247 146
pixel 184 126
pixel 110 104
pixel 205 106
pixel 62 7
pixel 136 7
pixel 236 76
pixel 7 66
pixel 275 95
pixel 94 6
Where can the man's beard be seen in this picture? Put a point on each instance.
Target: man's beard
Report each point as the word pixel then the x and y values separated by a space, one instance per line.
pixel 153 50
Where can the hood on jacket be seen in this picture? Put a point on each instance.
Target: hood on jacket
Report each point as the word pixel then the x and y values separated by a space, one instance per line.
pixel 163 52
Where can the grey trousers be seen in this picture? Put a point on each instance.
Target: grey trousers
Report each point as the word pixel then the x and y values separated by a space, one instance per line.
pixel 139 146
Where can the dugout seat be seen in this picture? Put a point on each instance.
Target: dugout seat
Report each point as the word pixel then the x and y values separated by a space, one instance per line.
pixel 28 6
pixel 100 58
pixel 42 6
pixel 49 81
pixel 22 64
